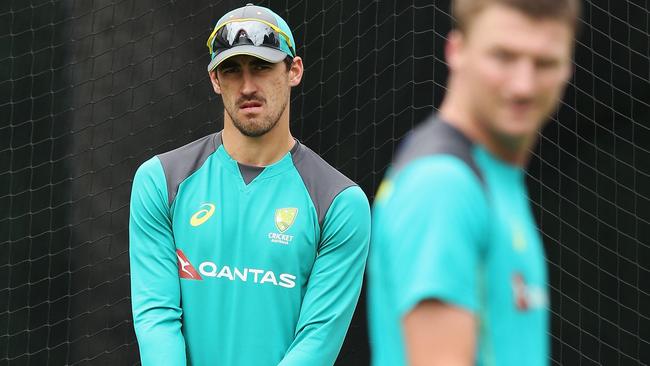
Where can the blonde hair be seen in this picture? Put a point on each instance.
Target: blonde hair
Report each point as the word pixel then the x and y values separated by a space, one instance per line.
pixel 563 10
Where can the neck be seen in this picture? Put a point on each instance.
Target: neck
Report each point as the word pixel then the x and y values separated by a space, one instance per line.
pixel 456 113
pixel 257 151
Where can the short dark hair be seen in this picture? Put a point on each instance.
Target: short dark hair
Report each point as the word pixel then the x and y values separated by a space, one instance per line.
pixel 563 10
pixel 288 61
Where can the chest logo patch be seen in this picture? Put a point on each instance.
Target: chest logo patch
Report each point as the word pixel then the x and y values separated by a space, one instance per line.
pixel 518 238
pixel 202 215
pixel 284 218
pixel 526 296
pixel 384 191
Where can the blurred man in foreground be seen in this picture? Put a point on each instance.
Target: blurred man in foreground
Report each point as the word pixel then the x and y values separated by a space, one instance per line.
pixel 457 272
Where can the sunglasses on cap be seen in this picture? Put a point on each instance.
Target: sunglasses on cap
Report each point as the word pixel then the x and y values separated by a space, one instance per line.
pixel 255 32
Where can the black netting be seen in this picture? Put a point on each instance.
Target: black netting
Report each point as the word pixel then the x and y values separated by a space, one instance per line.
pixel 89 89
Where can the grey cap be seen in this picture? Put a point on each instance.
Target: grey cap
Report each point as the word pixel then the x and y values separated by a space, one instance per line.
pixel 265 52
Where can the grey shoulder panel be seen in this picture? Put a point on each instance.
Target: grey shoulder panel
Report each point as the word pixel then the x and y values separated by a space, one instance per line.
pixel 323 182
pixel 180 163
pixel 436 137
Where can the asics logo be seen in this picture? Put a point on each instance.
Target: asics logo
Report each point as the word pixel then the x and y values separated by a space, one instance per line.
pixel 202 215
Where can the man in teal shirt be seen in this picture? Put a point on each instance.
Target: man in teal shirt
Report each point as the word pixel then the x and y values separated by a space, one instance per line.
pixel 456 270
pixel 246 247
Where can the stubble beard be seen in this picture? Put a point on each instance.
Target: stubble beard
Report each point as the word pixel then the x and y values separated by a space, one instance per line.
pixel 259 126
pixel 491 121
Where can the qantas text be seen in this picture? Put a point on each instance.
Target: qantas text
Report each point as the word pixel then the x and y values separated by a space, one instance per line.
pixel 210 269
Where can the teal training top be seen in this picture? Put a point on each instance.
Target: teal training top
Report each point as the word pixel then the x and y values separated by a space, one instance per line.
pixel 236 265
pixel 452 222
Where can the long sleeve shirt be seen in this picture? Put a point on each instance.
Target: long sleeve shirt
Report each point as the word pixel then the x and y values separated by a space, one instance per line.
pixel 232 265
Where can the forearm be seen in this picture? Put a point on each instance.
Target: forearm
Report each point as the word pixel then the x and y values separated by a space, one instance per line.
pixel 156 319
pixel 437 333
pixel 160 343
pixel 155 287
pixel 335 283
pixel 319 342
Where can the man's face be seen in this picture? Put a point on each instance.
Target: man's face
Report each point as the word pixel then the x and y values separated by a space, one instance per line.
pixel 255 92
pixel 513 70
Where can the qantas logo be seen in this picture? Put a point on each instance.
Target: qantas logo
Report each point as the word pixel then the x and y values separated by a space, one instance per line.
pixel 185 268
pixel 202 215
pixel 527 297
pixel 254 275
pixel 210 269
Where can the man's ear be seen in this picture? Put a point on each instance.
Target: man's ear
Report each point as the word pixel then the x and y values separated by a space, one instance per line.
pixel 453 49
pixel 215 81
pixel 295 71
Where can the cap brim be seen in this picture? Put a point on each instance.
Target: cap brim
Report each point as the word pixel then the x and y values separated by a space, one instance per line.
pixel 265 53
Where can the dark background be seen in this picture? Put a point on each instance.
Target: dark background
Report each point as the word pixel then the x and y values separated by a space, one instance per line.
pixel 91 89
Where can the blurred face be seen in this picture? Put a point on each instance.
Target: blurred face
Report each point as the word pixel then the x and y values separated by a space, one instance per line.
pixel 255 93
pixel 512 70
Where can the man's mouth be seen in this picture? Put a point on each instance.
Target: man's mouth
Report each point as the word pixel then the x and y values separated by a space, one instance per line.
pixel 250 105
pixel 521 106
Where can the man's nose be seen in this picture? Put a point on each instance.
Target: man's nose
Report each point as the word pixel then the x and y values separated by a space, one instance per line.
pixel 248 85
pixel 522 82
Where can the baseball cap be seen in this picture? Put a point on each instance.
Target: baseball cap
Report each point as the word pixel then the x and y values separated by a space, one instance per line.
pixel 250 30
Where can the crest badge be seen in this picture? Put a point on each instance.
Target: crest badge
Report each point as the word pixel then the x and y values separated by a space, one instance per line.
pixel 518 238
pixel 284 218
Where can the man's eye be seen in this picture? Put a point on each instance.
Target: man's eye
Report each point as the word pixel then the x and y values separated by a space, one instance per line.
pixel 503 56
pixel 228 69
pixel 547 64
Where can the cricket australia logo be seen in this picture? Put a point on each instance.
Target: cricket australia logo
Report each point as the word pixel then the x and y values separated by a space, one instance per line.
pixel 284 218
pixel 518 238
